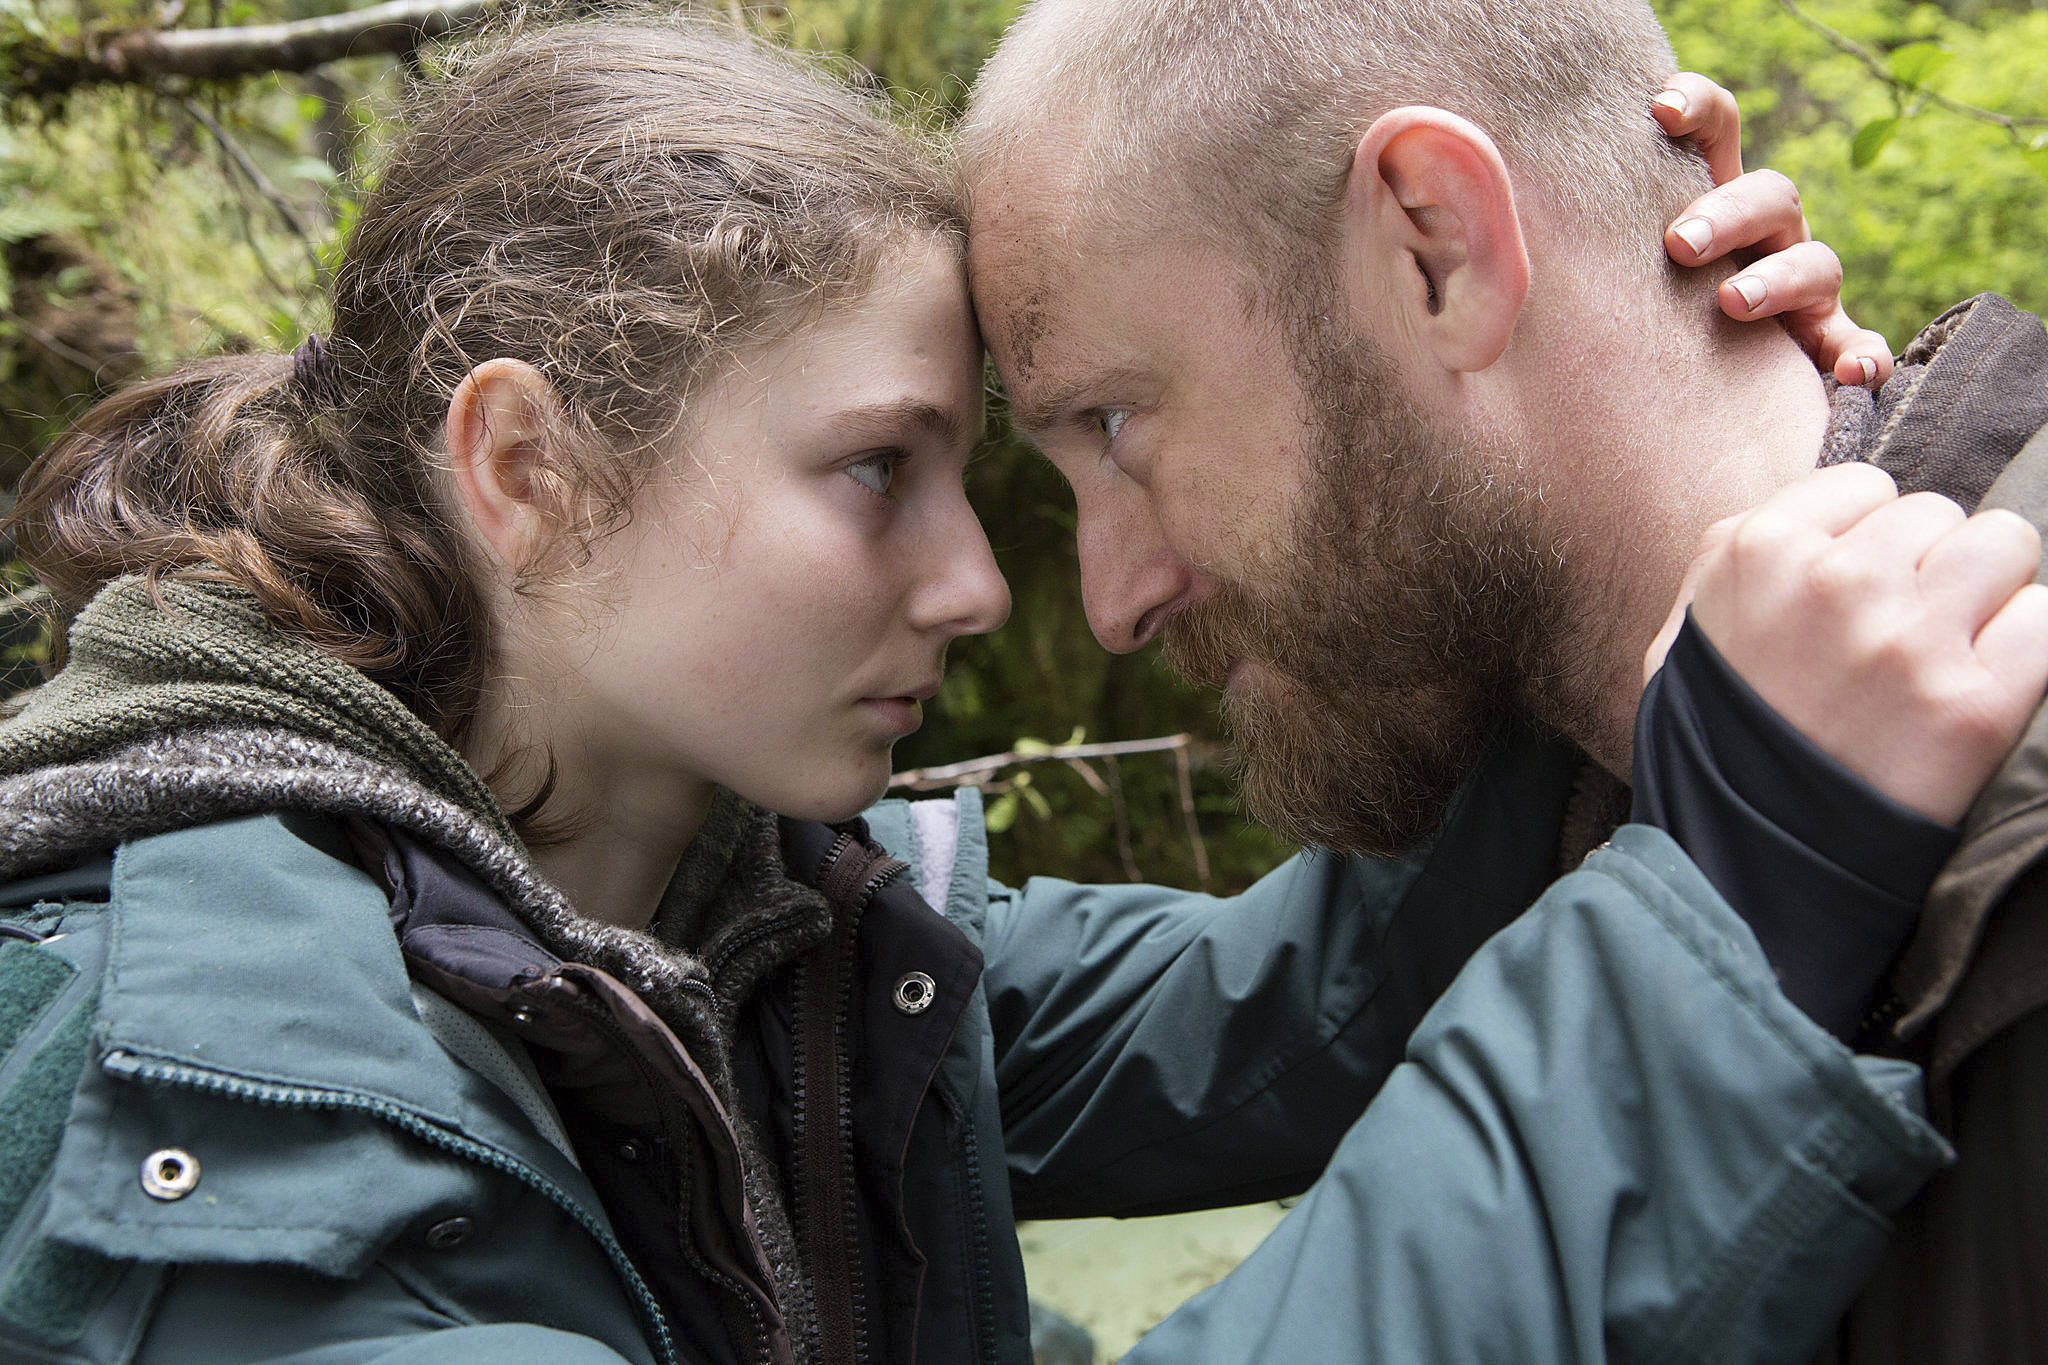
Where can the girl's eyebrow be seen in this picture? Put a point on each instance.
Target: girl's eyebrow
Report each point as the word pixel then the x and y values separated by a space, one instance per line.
pixel 943 424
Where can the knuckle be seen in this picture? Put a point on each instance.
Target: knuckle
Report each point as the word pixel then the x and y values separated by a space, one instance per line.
pixel 1714 541
pixel 2010 527
pixel 1762 542
pixel 1935 507
pixel 1781 189
pixel 1844 577
pixel 1856 472
pixel 1826 265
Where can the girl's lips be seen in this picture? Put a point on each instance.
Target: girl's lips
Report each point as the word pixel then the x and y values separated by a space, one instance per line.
pixel 902 714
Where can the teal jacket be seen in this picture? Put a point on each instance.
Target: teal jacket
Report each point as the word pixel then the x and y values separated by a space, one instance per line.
pixel 234 1130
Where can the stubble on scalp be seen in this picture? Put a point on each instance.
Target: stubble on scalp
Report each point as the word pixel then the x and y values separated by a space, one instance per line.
pixel 1418 603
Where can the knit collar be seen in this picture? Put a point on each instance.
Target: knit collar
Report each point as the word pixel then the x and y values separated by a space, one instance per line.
pixel 147 661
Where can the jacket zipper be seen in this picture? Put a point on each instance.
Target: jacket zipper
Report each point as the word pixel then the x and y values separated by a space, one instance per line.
pixel 764 1348
pixel 1876 1027
pixel 123 1063
pixel 826 1205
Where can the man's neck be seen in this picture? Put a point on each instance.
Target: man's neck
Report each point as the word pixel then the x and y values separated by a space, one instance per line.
pixel 1677 450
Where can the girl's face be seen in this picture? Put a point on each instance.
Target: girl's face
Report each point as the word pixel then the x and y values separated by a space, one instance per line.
pixel 780 604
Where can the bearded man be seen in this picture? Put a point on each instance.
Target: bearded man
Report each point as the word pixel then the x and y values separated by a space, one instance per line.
pixel 1380 411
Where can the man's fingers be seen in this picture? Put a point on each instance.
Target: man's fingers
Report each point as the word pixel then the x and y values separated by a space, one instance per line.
pixel 1761 209
pixel 1974 569
pixel 1854 355
pixel 1804 276
pixel 2013 645
pixel 1692 106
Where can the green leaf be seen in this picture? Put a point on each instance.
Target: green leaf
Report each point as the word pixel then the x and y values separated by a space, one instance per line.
pixel 1035 799
pixel 1029 747
pixel 1870 140
pixel 26 218
pixel 1915 64
pixel 1001 814
pixel 312 168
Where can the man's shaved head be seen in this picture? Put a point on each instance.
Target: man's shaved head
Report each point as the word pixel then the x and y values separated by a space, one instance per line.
pixel 1235 119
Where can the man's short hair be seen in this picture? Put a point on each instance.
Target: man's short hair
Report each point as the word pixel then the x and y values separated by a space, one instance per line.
pixel 1237 118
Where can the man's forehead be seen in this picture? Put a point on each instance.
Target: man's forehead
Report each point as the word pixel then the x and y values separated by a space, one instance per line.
pixel 1018 285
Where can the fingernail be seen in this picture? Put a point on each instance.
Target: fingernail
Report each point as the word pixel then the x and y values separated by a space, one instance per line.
pixel 1697 233
pixel 1671 100
pixel 1864 363
pixel 1752 290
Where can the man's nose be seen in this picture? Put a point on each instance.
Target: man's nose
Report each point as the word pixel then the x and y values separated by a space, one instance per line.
pixel 1131 580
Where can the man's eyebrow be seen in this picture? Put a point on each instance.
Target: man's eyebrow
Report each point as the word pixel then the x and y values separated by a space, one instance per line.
pixel 1046 405
pixel 946 425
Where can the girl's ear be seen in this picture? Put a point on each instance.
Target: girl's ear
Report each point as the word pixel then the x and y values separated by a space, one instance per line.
pixel 498 432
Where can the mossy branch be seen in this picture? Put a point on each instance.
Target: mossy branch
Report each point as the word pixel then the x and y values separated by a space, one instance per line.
pixel 34 67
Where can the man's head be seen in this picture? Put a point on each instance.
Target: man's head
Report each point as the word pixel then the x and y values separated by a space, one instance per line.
pixel 1295 295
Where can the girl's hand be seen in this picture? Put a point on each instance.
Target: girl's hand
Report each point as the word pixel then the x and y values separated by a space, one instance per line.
pixel 1797 279
pixel 1907 641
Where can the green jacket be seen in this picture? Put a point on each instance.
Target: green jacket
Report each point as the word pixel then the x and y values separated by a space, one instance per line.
pixel 1610 1138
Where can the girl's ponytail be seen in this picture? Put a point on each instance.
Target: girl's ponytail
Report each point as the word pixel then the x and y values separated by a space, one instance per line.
pixel 233 470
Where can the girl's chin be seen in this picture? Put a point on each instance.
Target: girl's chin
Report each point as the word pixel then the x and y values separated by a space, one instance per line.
pixel 838 791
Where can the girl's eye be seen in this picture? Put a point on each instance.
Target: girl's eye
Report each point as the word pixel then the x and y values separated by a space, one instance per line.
pixel 1111 421
pixel 876 473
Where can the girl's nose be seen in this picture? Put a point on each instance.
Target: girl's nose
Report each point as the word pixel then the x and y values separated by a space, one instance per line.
pixel 964 593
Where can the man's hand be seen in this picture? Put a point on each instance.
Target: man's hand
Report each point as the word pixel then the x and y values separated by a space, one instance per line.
pixel 1800 280
pixel 1908 642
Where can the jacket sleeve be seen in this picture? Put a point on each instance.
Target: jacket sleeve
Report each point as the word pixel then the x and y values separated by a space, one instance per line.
pixel 1612 1138
pixel 1158 1050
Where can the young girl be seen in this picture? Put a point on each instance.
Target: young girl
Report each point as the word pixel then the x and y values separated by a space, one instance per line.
pixel 401 959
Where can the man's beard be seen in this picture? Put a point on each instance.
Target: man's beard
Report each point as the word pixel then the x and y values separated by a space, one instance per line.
pixel 1418 602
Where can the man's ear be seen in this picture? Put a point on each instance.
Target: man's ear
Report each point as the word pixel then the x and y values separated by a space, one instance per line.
pixel 498 432
pixel 1432 236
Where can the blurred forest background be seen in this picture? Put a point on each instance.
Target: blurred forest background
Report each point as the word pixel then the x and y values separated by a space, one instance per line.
pixel 152 210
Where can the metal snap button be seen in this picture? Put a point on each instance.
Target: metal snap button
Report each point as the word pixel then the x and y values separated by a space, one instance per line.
pixel 632 1150
pixel 450 1233
pixel 522 1014
pixel 915 993
pixel 169 1174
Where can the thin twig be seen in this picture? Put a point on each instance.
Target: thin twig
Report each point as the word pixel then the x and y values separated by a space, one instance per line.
pixel 1121 814
pixel 261 182
pixel 1187 810
pixel 55 345
pixel 2014 124
pixel 966 773
pixel 1091 777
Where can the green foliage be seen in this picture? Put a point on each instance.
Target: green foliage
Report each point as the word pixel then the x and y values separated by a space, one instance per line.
pixel 1925 206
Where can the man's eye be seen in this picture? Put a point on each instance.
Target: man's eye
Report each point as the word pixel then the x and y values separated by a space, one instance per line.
pixel 1111 421
pixel 876 473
